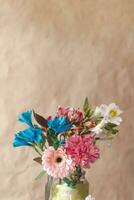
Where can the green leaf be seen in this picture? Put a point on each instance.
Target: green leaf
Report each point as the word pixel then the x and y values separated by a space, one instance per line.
pixel 52 139
pixel 114 131
pixel 87 111
pixel 42 173
pixel 42 143
pixel 86 105
pixel 110 127
pixel 69 183
pixel 56 145
pixel 66 180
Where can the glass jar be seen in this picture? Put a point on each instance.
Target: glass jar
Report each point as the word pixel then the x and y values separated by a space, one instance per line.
pixel 56 189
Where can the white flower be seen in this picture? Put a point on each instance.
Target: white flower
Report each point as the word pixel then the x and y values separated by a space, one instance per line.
pixel 100 111
pixel 109 113
pixel 89 197
pixel 113 114
pixel 99 128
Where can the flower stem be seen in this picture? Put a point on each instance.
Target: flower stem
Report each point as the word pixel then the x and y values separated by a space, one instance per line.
pixel 36 149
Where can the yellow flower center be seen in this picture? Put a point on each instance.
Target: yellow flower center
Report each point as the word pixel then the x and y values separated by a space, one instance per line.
pixel 113 113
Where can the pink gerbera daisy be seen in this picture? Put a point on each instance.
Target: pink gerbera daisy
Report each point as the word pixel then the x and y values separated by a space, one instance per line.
pixel 57 163
pixel 82 149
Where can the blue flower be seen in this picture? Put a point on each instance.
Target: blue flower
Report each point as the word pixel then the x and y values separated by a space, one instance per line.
pixel 28 137
pixel 59 124
pixel 26 117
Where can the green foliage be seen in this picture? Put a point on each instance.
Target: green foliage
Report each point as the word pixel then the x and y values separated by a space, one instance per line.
pixel 110 127
pixel 86 108
pixel 98 120
pixel 69 182
pixel 74 178
pixel 52 139
pixel 78 173
pixel 42 143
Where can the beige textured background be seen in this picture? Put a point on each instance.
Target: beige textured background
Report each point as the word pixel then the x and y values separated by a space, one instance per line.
pixel 56 53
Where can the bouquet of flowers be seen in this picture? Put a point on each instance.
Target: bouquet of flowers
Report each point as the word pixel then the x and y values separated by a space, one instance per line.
pixel 67 142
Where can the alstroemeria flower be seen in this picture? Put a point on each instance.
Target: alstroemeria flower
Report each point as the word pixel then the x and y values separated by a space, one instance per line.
pixel 28 137
pixel 59 124
pixel 72 114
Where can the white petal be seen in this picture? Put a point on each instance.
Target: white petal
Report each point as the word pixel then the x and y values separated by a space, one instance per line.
pixel 116 120
pixel 99 128
pixel 120 111
pixel 96 129
pixel 100 110
pixel 89 198
pixel 113 106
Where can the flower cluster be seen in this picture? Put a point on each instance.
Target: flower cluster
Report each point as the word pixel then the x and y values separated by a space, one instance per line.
pixel 67 142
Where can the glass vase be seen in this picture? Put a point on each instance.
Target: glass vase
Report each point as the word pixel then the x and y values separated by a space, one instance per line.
pixel 56 189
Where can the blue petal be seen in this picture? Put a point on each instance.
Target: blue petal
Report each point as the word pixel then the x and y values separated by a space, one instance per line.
pixel 20 142
pixel 59 124
pixel 37 134
pixel 32 134
pixel 28 136
pixel 26 117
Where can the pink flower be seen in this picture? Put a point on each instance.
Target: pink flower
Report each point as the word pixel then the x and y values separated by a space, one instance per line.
pixel 72 114
pixel 56 163
pixel 49 118
pixel 82 149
